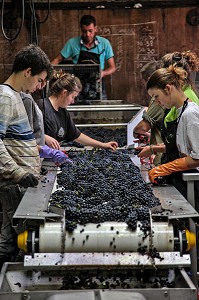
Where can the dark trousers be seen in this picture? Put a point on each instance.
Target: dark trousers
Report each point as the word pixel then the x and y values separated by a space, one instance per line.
pixel 10 197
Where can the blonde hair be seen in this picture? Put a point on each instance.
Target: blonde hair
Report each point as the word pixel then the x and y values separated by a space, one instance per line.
pixel 61 81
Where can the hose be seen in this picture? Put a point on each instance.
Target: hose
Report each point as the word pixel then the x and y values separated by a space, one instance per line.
pixel 2 22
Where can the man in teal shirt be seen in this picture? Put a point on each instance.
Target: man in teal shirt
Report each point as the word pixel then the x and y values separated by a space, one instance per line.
pixel 89 48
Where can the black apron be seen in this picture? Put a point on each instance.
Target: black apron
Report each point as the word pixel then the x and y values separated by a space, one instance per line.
pixel 172 153
pixel 87 57
pixel 169 136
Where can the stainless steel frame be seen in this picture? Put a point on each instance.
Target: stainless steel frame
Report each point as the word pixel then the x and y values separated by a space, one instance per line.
pixel 41 273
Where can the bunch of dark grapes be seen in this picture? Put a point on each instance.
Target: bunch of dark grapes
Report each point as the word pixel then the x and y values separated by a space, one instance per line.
pixel 131 219
pixel 103 135
pixel 103 186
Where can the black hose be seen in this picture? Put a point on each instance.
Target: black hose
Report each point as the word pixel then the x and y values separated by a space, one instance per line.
pixel 48 12
pixel 2 22
pixel 33 22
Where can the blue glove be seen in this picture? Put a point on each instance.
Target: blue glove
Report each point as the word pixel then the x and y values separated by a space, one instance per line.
pixel 57 156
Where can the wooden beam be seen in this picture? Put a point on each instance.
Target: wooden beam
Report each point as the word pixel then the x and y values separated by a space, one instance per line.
pixel 112 4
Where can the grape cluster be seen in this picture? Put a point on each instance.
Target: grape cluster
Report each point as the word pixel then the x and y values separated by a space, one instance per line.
pixel 103 186
pixel 103 135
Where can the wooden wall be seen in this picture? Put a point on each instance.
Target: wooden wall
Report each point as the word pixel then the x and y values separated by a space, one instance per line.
pixel 137 36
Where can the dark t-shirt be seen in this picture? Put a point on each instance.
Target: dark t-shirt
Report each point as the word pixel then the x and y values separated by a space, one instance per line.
pixel 59 124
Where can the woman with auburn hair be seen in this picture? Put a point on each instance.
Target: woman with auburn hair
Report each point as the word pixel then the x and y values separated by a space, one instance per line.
pixel 166 88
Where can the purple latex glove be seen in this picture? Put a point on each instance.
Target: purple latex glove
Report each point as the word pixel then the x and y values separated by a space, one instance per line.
pixel 57 156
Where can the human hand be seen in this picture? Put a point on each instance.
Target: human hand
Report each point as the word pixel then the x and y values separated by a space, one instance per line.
pixel 28 180
pixel 168 168
pixel 57 156
pixel 110 145
pixel 60 158
pixel 144 151
pixel 68 159
pixel 51 142
pixel 102 73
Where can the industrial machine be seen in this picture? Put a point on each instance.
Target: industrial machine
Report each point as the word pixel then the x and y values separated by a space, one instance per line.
pixel 54 254
pixel 89 75
pixel 104 261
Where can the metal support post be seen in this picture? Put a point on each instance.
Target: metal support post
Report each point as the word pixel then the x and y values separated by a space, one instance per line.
pixel 190 178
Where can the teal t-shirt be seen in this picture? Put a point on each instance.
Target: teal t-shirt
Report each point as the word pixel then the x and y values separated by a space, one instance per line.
pixel 172 115
pixel 102 47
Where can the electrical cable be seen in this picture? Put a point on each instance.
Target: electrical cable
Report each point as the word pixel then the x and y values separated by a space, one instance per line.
pixel 2 21
pixel 33 22
pixel 48 12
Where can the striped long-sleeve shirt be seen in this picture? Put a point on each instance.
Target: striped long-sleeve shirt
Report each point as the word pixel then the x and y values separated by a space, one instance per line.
pixel 18 148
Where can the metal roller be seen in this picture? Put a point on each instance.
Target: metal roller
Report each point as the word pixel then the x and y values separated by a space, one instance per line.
pixel 104 237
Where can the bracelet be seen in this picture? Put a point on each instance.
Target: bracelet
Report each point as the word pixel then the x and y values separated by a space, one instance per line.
pixel 151 148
